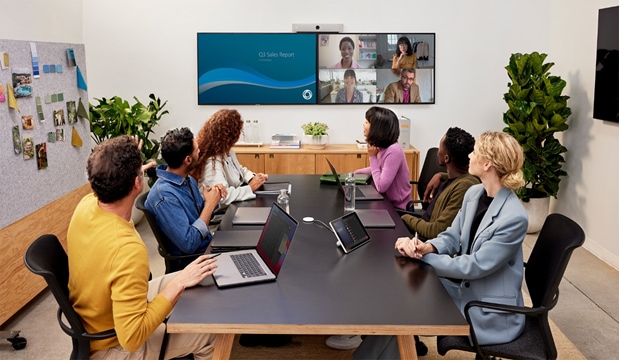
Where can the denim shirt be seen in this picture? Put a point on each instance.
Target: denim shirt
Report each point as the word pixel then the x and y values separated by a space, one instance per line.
pixel 176 203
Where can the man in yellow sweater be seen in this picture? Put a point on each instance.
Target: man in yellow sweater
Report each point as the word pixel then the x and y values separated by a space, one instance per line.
pixel 108 265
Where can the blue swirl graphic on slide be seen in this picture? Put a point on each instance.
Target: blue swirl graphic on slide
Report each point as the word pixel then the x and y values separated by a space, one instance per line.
pixel 229 76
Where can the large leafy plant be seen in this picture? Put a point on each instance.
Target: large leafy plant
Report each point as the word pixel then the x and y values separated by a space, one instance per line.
pixel 536 111
pixel 115 116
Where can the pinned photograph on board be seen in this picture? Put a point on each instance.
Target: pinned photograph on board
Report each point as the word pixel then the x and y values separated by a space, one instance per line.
pixel 59 117
pixel 71 112
pixel 16 140
pixel 22 82
pixel 51 137
pixel 59 134
pixel 27 122
pixel 41 150
pixel 28 148
pixel 70 57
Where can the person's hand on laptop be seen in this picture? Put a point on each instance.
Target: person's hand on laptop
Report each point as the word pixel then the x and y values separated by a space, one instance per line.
pixel 199 269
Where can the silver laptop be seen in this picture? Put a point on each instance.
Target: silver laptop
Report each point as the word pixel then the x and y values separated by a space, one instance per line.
pixel 264 263
pixel 375 218
pixel 250 215
pixel 363 192
pixel 231 240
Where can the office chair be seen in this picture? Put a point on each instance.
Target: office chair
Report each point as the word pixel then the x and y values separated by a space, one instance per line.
pixel 172 262
pixel 46 257
pixel 543 273
pixel 429 168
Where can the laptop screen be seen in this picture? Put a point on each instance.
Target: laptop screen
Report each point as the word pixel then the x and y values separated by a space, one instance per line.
pixel 276 237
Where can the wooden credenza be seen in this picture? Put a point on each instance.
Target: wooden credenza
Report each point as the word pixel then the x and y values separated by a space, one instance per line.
pixel 345 158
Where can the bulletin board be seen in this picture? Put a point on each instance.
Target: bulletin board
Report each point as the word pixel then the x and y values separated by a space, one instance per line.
pixel 40 151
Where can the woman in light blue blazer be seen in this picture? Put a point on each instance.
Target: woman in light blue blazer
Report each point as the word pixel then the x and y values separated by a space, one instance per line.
pixel 480 256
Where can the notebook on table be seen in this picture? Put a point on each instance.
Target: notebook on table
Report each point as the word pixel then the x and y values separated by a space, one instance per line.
pixel 375 218
pixel 264 263
pixel 360 179
pixel 273 188
pixel 349 231
pixel 362 192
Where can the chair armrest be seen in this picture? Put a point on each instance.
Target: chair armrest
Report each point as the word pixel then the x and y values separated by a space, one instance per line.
pixel 96 336
pixel 180 257
pixel 404 212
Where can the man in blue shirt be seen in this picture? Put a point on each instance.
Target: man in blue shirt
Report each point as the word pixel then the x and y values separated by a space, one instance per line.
pixel 182 209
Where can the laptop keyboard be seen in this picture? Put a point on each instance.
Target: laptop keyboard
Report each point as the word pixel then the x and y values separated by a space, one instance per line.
pixel 247 265
pixel 358 192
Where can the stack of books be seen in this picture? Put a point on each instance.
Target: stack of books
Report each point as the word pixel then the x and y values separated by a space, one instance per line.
pixel 285 141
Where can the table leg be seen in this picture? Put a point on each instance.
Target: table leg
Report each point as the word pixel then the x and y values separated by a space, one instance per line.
pixel 223 346
pixel 406 344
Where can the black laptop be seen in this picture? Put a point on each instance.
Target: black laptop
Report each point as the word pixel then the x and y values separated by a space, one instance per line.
pixel 362 192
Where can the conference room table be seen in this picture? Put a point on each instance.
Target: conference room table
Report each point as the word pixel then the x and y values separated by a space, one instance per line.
pixel 320 289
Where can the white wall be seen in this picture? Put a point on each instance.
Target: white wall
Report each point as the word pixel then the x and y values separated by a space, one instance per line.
pixel 142 46
pixel 590 194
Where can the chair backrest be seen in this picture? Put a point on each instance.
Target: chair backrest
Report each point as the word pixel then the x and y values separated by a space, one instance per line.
pixel 46 257
pixel 172 263
pixel 429 168
pixel 549 258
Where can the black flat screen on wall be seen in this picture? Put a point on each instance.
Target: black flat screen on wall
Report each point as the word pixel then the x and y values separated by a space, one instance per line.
pixel 306 68
pixel 606 95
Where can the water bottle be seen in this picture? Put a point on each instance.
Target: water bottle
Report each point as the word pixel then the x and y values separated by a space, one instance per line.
pixel 283 200
pixel 256 132
pixel 349 192
pixel 247 131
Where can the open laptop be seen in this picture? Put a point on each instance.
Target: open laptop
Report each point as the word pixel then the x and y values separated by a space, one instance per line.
pixel 363 192
pixel 349 231
pixel 263 263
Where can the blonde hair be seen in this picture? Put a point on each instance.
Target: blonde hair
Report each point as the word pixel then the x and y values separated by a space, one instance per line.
pixel 506 156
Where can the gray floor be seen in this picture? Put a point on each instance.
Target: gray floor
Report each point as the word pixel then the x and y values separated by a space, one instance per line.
pixel 588 310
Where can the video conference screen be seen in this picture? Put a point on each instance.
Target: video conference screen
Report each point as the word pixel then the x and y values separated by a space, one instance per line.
pixel 316 68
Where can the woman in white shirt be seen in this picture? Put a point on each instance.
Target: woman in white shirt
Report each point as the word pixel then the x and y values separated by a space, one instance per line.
pixel 218 163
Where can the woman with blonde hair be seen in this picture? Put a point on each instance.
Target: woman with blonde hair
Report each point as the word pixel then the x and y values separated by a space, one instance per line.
pixel 218 163
pixel 479 257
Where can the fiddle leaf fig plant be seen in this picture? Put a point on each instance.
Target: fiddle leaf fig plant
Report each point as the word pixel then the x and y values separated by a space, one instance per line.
pixel 115 116
pixel 536 111
pixel 315 129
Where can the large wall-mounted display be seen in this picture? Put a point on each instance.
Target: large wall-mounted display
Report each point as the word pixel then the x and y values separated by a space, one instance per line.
pixel 606 95
pixel 303 68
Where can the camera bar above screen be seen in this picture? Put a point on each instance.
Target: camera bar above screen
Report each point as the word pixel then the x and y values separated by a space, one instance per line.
pixel 315 68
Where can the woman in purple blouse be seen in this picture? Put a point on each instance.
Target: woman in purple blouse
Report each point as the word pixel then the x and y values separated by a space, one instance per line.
pixel 390 173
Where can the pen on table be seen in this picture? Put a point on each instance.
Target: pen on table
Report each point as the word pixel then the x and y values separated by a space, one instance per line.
pixel 213 256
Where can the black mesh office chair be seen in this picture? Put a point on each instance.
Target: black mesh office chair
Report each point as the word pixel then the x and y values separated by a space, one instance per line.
pixel 429 168
pixel 543 273
pixel 46 257
pixel 172 262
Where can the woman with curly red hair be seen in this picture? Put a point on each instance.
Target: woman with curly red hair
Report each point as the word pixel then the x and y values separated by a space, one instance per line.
pixel 218 163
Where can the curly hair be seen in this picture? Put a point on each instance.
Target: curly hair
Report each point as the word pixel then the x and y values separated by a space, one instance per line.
pixel 459 144
pixel 506 155
pixel 384 127
pixel 217 136
pixel 112 167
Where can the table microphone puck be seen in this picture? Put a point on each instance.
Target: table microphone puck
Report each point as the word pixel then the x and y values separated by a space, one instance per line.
pixel 308 219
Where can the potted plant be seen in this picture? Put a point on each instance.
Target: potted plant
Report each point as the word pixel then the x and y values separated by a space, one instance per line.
pixel 315 134
pixel 536 111
pixel 115 116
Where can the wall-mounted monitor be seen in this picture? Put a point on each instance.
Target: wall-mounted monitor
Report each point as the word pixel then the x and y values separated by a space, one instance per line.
pixel 318 68
pixel 257 68
pixel 606 95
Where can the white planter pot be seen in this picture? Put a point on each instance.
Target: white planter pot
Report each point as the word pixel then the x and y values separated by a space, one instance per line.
pixel 537 209
pixel 316 142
